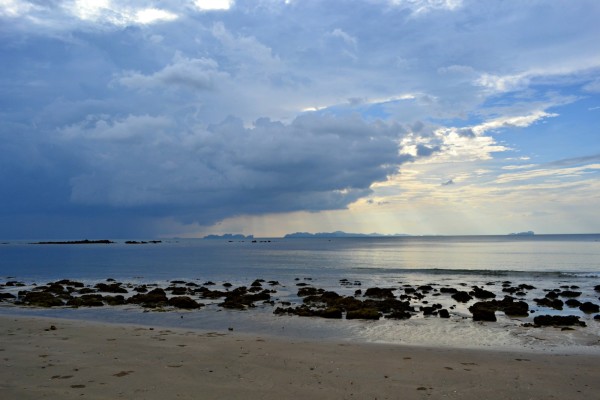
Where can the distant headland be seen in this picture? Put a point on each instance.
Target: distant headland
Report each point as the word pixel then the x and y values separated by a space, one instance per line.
pixel 526 233
pixel 230 236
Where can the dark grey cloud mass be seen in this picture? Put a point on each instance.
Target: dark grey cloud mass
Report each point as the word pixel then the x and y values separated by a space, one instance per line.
pixel 143 167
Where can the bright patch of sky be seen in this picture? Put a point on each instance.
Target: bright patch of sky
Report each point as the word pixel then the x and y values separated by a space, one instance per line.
pixel 184 118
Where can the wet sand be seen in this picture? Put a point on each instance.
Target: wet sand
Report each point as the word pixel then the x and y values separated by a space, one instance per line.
pixel 55 358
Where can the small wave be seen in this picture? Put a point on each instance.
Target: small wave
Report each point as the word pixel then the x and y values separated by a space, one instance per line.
pixel 482 272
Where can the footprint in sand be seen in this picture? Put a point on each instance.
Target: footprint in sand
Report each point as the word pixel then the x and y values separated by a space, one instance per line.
pixel 122 374
pixel 61 377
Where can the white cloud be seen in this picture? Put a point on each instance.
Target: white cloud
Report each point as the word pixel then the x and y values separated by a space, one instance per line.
pixel 520 121
pixel 565 173
pixel 500 84
pixel 103 128
pixel 196 74
pixel 14 8
pixel 102 12
pixel 211 5
pixel 152 15
pixel 425 6
pixel 593 87
pixel 349 40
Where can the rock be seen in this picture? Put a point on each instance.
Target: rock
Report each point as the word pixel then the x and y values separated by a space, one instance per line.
pixel 257 283
pixel 429 310
pixel 569 293
pixel 597 288
pixel 240 299
pixel 86 300
pixel 516 309
pixel 552 295
pixel 177 290
pixel 399 315
pixel 462 297
pixel 110 288
pixel 53 287
pixel 557 320
pixel 381 293
pixel 206 293
pixel 4 296
pixel 141 289
pixel 114 300
pixel 153 299
pixel 308 291
pixel 552 303
pixel 364 313
pixel 42 299
pixel 331 313
pixel 483 311
pixel 481 293
pixel 573 303
pixel 185 302
pixel 443 313
pixel 448 290
pixel 589 307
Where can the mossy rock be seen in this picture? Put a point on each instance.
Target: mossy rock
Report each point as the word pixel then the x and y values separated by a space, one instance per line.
pixel 364 313
pixel 42 299
pixel 184 302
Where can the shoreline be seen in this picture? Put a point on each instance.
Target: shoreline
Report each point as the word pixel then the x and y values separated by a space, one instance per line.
pixel 100 361
pixel 408 314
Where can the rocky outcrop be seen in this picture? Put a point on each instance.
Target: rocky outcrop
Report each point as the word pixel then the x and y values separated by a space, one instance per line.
pixel 557 320
pixel 153 299
pixel 589 307
pixel 462 297
pixel 486 310
pixel 551 303
pixel 41 299
pixel 184 302
pixel 110 288
pixel 380 293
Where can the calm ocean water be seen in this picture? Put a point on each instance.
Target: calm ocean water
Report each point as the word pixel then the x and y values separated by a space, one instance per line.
pixel 545 261
pixel 540 255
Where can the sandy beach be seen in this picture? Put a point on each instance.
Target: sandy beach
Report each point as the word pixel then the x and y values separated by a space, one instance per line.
pixel 56 358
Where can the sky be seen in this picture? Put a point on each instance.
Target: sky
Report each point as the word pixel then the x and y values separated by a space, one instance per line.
pixel 175 118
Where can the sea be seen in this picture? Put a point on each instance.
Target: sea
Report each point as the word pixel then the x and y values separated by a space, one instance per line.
pixel 344 265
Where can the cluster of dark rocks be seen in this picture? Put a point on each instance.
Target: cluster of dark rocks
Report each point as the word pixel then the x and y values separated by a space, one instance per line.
pixel 373 303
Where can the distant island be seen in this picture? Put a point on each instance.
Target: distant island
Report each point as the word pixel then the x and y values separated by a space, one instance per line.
pixel 338 234
pixel 104 241
pixel 230 236
pixel 527 233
